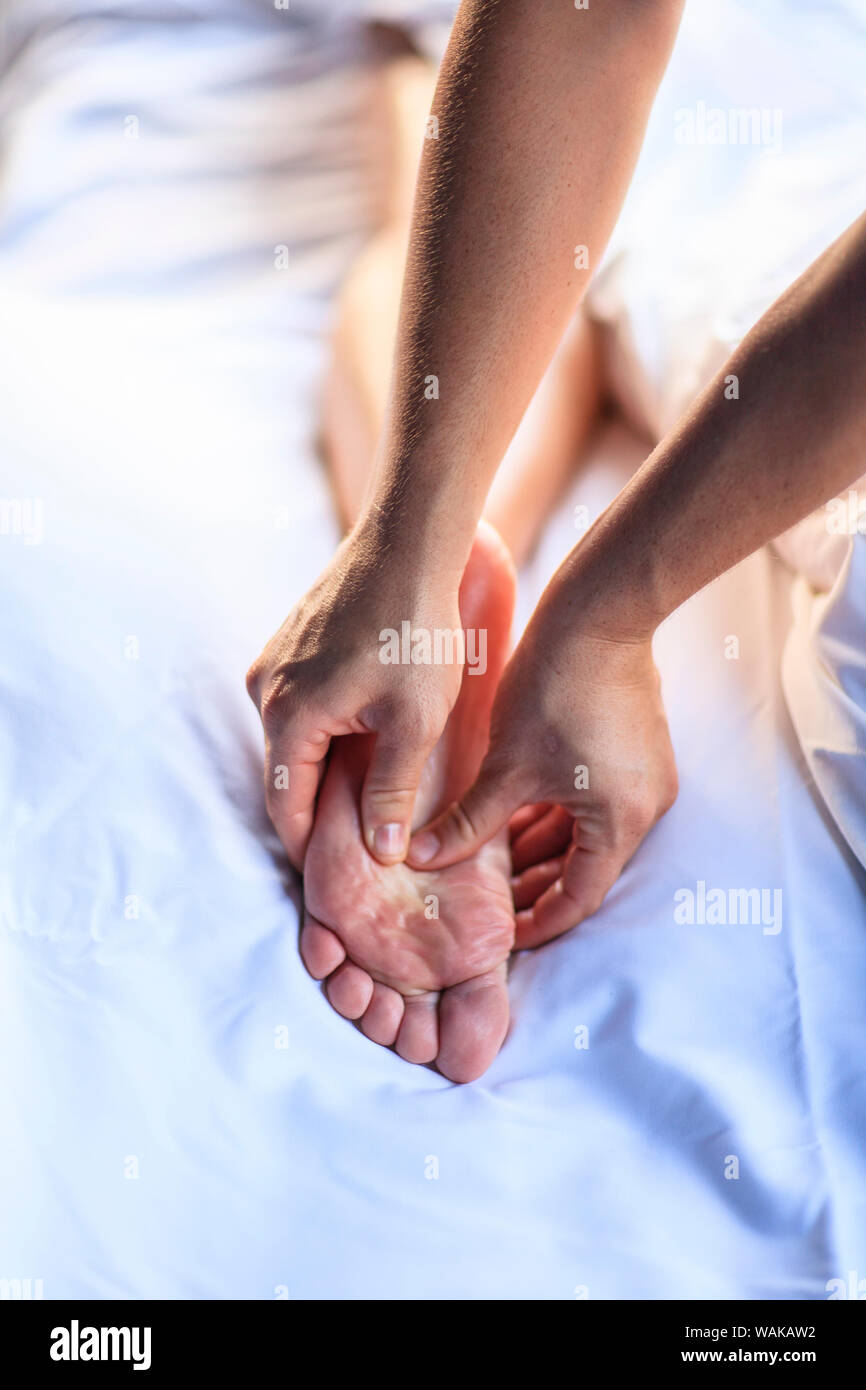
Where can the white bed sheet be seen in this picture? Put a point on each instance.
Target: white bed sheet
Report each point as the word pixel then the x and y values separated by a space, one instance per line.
pixel 181 1113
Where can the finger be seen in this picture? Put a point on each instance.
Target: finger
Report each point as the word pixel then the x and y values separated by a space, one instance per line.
pixel 293 773
pixel 528 887
pixel 468 823
pixel 587 876
pixel 527 815
pixel 544 839
pixel 388 796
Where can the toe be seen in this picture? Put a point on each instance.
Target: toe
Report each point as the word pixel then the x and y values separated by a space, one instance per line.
pixel 418 1038
pixel 349 990
pixel 381 1022
pixel 473 1021
pixel 321 950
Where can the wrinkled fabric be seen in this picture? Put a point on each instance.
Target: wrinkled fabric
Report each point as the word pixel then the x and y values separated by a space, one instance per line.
pixel 679 1109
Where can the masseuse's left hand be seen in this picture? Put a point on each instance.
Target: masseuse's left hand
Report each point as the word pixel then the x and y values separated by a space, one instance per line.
pixel 578 723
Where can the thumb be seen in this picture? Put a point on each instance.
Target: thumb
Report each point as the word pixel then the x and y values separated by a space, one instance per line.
pixel 388 795
pixel 467 824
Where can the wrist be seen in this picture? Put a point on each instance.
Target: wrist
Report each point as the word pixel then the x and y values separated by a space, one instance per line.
pixel 417 544
pixel 565 654
pixel 593 610
pixel 610 584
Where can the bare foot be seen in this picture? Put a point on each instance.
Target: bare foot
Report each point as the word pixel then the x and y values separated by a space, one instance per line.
pixel 419 959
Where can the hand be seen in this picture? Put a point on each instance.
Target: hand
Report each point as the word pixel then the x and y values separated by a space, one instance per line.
pixel 578 725
pixel 322 676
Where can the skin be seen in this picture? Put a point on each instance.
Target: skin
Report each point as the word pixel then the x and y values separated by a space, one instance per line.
pixel 419 958
pixel 432 989
pixel 505 194
pixel 541 112
pixel 542 456
pixel 581 687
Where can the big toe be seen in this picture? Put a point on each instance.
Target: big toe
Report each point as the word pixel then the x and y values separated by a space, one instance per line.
pixel 473 1021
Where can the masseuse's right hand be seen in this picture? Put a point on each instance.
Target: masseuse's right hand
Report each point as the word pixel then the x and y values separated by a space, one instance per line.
pixel 321 676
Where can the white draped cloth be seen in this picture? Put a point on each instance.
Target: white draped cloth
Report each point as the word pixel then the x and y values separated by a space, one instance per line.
pixel 183 182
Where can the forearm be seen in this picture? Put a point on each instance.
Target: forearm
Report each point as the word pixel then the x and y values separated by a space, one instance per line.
pixel 737 470
pixel 541 110
pixel 410 83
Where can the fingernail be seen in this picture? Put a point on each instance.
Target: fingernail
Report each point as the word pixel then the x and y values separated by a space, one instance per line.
pixel 389 839
pixel 423 847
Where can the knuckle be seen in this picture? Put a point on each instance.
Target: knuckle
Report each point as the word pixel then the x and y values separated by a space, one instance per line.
pixel 669 791
pixel 382 794
pixel 415 725
pixel 595 897
pixel 253 680
pixel 276 697
pixel 592 905
pixel 583 901
pixel 427 725
pixel 272 705
pixel 413 733
pixel 586 894
pixel 638 811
